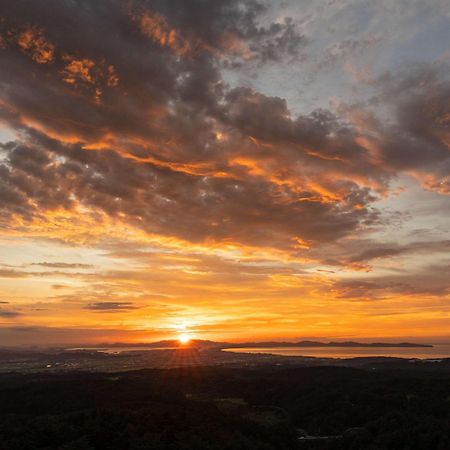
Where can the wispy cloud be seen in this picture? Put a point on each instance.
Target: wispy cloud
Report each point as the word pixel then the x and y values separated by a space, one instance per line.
pixel 111 306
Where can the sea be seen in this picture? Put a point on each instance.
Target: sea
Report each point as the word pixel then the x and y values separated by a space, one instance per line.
pixel 438 351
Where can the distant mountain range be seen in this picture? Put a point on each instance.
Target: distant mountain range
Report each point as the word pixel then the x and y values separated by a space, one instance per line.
pixel 271 344
pixel 268 344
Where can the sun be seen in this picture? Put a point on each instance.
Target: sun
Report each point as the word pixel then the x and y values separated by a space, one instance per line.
pixel 184 338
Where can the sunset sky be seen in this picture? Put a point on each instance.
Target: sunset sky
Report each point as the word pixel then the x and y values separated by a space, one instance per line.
pixel 228 170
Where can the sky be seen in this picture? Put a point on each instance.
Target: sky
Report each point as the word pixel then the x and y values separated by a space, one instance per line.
pixel 228 170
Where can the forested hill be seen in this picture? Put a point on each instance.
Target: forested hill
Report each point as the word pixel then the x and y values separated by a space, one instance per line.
pixel 227 409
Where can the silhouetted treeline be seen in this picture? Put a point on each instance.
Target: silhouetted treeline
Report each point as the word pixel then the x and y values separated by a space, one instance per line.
pixel 218 408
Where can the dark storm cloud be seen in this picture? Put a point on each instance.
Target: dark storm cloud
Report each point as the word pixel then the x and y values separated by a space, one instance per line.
pixel 121 108
pixel 415 136
pixel 230 29
pixel 111 306
pixel 428 281
pixel 378 250
pixel 155 199
pixel 364 254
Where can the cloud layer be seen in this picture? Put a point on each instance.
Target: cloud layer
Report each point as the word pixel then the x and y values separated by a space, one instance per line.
pixel 128 116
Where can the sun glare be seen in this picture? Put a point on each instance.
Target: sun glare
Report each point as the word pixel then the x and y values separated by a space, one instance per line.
pixel 184 338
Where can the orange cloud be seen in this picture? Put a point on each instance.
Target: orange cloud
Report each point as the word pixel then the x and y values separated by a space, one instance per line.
pixel 78 69
pixel 231 44
pixel 158 29
pixel 33 43
pixel 86 72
